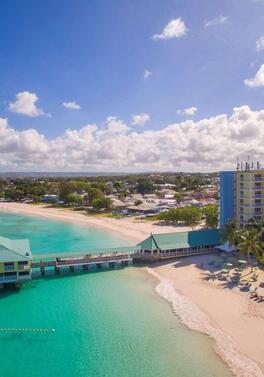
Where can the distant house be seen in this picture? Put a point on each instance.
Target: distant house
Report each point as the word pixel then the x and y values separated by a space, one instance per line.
pixel 144 209
pixel 170 245
pixel 15 261
pixel 50 198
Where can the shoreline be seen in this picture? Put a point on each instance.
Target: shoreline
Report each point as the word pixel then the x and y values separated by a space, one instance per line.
pixel 229 317
pixel 127 228
pixel 236 330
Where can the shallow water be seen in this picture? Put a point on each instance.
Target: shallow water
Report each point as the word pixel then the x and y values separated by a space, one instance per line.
pixel 109 323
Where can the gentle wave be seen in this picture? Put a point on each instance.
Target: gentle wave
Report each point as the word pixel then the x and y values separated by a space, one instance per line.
pixel 195 319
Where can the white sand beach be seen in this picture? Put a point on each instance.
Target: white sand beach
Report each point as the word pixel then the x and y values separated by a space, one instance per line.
pixel 129 228
pixel 235 321
pixel 230 316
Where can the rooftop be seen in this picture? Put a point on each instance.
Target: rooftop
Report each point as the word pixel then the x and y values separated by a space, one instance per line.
pixel 14 250
pixel 181 240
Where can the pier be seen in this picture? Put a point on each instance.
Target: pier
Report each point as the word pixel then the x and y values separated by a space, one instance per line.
pixel 72 261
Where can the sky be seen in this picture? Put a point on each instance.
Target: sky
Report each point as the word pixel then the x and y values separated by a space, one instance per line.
pixel 130 85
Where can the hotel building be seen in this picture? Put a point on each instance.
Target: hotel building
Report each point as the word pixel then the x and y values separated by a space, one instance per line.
pixel 242 194
pixel 15 261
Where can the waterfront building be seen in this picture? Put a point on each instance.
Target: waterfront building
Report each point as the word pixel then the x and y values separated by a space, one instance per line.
pixel 15 261
pixel 242 194
pixel 170 245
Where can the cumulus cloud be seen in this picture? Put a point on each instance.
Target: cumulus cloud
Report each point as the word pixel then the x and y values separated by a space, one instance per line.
pixel 258 80
pixel 176 28
pixel 140 119
pixel 188 111
pixel 215 21
pixel 115 125
pixel 207 145
pixel 71 105
pixel 25 104
pixel 147 74
pixel 260 43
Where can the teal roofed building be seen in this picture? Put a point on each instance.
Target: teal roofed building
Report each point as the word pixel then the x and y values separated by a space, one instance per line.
pixel 169 245
pixel 15 261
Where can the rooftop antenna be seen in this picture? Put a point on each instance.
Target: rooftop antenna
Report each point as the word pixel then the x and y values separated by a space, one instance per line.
pixel 238 164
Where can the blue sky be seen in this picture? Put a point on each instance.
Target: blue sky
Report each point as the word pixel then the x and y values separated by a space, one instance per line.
pixel 95 53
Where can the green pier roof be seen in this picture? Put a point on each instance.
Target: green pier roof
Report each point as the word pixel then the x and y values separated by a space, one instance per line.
pixel 14 250
pixel 181 240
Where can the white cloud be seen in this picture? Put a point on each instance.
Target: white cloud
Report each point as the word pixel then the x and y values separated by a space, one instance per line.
pixel 207 145
pixel 215 21
pixel 188 111
pixel 71 105
pixel 147 74
pixel 176 28
pixel 140 119
pixel 115 125
pixel 258 80
pixel 25 104
pixel 260 43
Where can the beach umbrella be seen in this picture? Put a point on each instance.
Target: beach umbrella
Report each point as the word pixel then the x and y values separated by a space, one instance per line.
pixel 229 264
pixel 225 271
pixel 242 261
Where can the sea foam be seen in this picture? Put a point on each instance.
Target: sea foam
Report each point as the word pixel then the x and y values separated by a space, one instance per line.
pixel 195 319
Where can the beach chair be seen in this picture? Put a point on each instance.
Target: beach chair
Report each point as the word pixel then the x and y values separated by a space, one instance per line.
pixel 253 293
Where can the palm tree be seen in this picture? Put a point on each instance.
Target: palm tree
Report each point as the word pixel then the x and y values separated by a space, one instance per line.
pixel 230 233
pixel 250 243
pixel 256 224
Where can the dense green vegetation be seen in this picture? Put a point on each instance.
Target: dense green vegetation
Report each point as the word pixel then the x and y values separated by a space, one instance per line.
pixel 248 240
pixel 211 216
pixel 188 215
pixel 84 191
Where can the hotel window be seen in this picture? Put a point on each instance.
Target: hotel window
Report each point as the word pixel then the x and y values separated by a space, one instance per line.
pixel 257 185
pixel 257 202
pixel 257 177
pixel 241 201
pixel 257 194
pixel 9 266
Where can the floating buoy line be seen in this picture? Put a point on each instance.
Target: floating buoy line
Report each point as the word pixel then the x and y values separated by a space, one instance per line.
pixel 14 329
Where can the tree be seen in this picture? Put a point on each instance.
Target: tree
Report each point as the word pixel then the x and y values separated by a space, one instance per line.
pixel 66 188
pixel 188 215
pixel 138 202
pixel 191 215
pixel 94 193
pixel 75 199
pixel 230 233
pixel 102 203
pixel 144 187
pixel 250 243
pixel 211 216
pixel 178 197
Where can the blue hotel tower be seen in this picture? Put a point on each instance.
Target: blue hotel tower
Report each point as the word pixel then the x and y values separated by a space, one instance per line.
pixel 227 196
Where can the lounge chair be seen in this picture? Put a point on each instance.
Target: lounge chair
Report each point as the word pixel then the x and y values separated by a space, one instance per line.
pixel 253 293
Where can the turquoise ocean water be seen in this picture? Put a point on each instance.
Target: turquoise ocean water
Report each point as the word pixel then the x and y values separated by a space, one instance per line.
pixel 108 324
